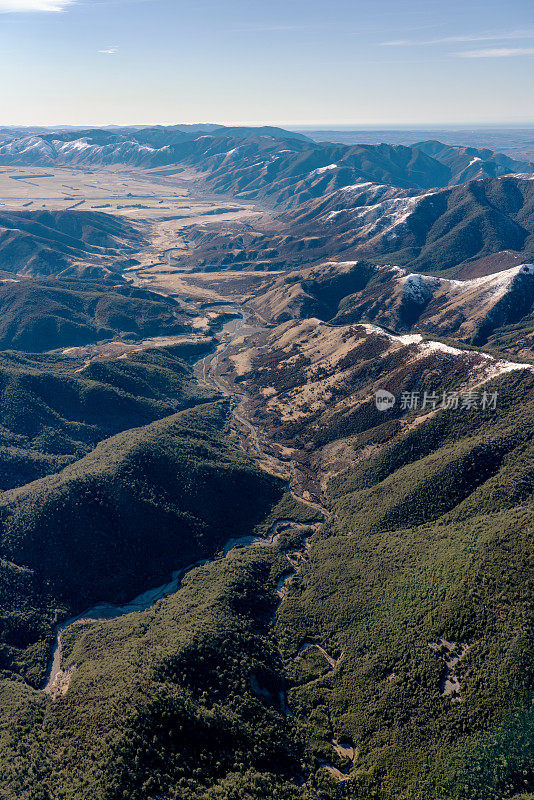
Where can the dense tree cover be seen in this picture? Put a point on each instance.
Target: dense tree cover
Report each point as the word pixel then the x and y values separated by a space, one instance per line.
pixel 55 409
pixel 431 540
pixel 38 315
pixel 185 700
pixel 427 558
pixel 44 242
pixel 518 338
pixel 143 503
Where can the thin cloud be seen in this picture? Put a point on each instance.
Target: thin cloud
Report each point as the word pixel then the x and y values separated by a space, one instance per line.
pixel 269 28
pixel 479 37
pixel 114 2
pixel 24 6
pixel 111 51
pixel 497 52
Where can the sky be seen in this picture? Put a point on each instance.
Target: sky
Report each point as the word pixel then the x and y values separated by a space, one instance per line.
pixel 282 62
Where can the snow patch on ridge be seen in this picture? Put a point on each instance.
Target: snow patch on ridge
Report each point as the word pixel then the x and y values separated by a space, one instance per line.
pixel 491 367
pixel 356 186
pixel 386 217
pixel 445 348
pixel 320 170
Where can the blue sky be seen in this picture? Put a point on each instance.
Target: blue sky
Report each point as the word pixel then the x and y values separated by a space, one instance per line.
pixel 289 62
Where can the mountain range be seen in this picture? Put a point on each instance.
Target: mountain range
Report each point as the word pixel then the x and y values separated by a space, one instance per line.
pixel 260 158
pixel 434 206
pixel 266 467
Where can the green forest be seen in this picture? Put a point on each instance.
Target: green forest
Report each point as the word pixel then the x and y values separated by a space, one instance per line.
pixel 421 576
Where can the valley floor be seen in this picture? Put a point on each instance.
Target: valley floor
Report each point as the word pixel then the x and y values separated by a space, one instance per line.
pixel 349 612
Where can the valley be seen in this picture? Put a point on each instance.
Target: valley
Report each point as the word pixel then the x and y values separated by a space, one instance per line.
pixel 330 599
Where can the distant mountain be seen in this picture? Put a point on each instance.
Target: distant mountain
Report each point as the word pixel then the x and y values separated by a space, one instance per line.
pixel 296 175
pixel 291 174
pixel 262 130
pixel 145 147
pixel 263 162
pixel 48 242
pixel 515 142
pixel 431 206
pixel 467 163
pixel 466 231
pixel 98 148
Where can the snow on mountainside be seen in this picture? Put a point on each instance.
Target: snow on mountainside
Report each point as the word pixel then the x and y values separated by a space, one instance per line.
pixel 465 231
pixel 388 296
pixel 468 311
pixel 262 163
pixel 382 218
pixel 334 374
pixel 34 150
pixel 380 203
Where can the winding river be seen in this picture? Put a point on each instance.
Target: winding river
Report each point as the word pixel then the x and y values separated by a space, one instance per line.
pixel 206 368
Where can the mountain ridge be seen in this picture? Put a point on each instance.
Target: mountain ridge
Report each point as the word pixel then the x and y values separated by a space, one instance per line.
pixel 333 458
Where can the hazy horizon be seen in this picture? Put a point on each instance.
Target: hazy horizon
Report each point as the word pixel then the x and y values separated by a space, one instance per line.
pixel 137 62
pixel 318 126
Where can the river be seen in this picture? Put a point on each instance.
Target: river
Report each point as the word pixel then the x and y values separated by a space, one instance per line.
pixel 206 366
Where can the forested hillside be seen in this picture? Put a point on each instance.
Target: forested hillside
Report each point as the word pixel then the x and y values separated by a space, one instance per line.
pixel 55 409
pixel 144 503
pixel 266 467
pixel 423 583
pixel 405 648
pixel 45 315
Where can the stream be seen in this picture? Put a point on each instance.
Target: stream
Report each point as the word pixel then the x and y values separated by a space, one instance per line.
pixel 107 611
